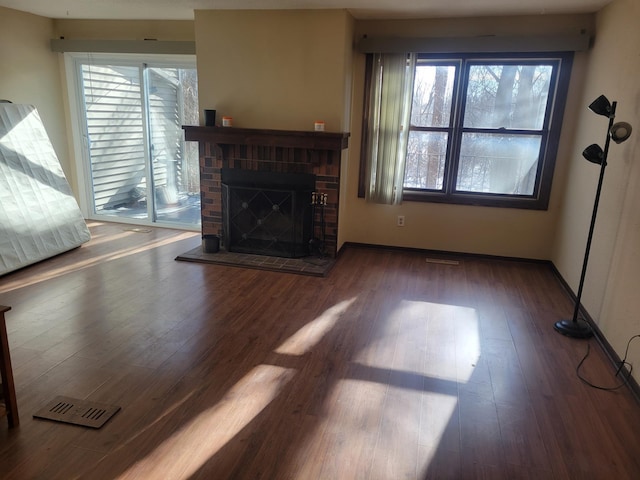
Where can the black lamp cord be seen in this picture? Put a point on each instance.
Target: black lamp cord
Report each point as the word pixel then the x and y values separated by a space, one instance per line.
pixel 622 363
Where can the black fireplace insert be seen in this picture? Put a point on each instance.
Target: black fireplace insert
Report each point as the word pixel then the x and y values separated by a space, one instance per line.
pixel 267 213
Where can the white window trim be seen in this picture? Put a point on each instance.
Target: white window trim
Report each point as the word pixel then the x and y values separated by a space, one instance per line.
pixel 76 115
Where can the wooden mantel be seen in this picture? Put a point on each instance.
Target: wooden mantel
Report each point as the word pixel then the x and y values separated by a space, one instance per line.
pixel 268 138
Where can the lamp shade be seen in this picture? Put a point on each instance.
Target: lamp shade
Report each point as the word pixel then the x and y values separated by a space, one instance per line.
pixel 601 106
pixel 593 153
pixel 620 131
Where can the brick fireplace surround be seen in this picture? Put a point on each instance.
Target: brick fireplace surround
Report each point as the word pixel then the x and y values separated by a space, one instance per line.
pixel 269 151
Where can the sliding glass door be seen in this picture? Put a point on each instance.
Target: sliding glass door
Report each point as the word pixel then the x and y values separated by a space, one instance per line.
pixel 137 166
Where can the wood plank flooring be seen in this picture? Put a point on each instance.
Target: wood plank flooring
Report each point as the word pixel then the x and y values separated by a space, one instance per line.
pixel 390 368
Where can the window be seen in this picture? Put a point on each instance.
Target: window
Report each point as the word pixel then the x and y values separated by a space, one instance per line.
pixel 137 167
pixel 483 130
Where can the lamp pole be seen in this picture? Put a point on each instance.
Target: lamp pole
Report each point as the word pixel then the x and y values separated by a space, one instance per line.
pixel 578 328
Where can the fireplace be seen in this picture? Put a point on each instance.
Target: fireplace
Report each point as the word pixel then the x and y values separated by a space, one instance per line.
pixel 306 162
pixel 267 213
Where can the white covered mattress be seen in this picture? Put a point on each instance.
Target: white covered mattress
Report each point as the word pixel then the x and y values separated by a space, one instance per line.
pixel 39 217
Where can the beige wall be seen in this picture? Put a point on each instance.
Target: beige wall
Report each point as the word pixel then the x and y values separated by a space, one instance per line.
pixel 613 275
pixel 471 229
pixel 275 69
pixel 30 74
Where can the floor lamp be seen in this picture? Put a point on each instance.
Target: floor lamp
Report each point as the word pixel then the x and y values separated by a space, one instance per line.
pixel 618 132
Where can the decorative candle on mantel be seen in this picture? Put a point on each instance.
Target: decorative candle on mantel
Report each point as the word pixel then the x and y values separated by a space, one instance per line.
pixel 227 121
pixel 318 126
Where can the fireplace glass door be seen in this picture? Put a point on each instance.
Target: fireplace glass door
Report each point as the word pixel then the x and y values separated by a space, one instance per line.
pixel 267 213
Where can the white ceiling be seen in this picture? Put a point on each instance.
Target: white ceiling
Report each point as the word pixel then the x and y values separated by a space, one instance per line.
pixel 183 9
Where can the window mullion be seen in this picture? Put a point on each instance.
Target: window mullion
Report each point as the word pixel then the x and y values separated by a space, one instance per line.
pixel 144 99
pixel 453 155
pixel 504 130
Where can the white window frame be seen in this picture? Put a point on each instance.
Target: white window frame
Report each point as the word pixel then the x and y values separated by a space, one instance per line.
pixel 72 62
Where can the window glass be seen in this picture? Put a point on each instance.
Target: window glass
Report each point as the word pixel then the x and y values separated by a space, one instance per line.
pixel 432 95
pixel 131 111
pixel 425 162
pixel 507 96
pixel 500 164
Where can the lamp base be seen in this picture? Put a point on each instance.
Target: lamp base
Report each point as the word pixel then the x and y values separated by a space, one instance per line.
pixel 577 329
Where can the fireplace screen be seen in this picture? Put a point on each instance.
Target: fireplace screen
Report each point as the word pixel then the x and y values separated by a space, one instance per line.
pixel 267 213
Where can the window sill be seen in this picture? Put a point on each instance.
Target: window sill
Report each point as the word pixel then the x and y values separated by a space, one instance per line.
pixel 498 201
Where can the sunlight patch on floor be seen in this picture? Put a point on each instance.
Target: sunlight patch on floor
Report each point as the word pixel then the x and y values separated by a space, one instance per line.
pixel 467 342
pixel 414 323
pixel 415 386
pixel 437 413
pixel 93 260
pixel 211 430
pixel 310 334
pixel 206 433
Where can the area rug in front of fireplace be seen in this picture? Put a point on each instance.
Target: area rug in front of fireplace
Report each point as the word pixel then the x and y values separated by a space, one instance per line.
pixel 313 266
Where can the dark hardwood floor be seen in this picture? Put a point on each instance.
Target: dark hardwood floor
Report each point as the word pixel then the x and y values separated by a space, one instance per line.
pixel 392 367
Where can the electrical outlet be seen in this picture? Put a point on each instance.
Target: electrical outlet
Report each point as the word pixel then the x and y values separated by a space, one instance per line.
pixel 401 220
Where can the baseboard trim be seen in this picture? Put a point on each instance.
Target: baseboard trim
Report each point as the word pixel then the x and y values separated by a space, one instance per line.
pixel 444 253
pixel 614 358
